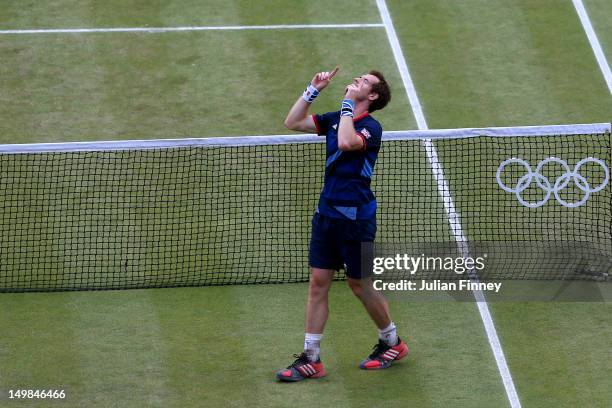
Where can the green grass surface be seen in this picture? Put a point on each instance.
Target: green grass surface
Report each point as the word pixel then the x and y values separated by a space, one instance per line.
pixel 501 63
pixel 599 12
pixel 220 347
pixel 156 13
pixel 194 84
pixel 474 63
pixel 559 353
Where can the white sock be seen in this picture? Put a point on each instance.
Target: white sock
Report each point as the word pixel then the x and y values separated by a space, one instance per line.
pixel 312 346
pixel 388 334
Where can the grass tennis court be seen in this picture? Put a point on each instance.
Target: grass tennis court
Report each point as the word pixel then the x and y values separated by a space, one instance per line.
pixel 473 63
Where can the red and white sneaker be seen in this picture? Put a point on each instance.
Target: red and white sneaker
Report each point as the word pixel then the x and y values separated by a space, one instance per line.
pixel 383 355
pixel 301 369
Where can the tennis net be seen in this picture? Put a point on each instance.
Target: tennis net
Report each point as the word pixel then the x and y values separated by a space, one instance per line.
pixel 191 212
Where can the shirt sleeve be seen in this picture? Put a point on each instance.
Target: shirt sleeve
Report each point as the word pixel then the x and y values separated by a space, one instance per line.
pixel 322 122
pixel 371 133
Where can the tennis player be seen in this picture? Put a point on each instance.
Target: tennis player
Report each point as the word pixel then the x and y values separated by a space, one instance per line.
pixel 345 217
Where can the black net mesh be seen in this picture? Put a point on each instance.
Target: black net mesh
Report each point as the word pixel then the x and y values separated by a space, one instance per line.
pixel 190 216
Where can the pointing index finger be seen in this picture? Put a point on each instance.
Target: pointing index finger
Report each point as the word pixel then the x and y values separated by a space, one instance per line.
pixel 333 73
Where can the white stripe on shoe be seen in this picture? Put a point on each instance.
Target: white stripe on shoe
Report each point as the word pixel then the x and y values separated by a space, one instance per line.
pixel 390 354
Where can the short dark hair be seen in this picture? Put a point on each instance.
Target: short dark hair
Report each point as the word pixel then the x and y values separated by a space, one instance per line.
pixel 383 91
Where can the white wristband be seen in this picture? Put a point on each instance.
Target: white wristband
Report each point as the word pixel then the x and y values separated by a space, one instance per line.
pixel 310 93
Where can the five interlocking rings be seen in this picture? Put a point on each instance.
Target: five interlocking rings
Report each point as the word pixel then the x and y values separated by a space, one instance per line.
pixel 559 184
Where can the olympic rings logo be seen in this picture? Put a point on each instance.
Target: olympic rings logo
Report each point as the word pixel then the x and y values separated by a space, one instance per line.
pixel 559 184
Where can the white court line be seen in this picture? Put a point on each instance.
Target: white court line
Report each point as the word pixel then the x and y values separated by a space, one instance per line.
pixel 599 55
pixel 449 206
pixel 187 28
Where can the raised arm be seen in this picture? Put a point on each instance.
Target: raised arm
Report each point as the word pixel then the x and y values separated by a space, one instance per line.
pixel 298 118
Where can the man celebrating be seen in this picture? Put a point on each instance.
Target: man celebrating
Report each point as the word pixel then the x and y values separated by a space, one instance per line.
pixel 345 217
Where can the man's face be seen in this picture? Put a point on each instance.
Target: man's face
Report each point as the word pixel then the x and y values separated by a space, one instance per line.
pixel 364 85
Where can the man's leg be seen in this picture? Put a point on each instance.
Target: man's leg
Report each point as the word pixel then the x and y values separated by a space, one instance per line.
pixel 308 364
pixel 323 253
pixel 317 308
pixel 374 302
pixel 390 347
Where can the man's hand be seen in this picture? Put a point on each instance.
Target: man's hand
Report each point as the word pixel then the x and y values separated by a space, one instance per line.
pixel 298 118
pixel 322 79
pixel 351 92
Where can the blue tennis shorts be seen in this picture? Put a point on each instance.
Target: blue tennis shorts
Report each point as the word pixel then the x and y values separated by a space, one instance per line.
pixel 337 243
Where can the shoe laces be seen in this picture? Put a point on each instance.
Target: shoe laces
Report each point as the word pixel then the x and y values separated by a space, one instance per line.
pixel 300 360
pixel 379 348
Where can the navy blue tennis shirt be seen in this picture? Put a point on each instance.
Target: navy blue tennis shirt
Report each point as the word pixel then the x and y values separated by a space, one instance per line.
pixel 346 190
